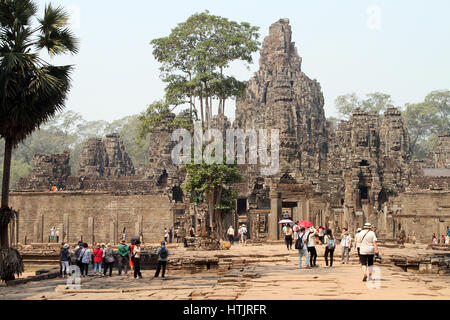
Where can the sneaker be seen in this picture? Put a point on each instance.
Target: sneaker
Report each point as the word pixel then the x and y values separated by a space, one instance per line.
pixel 365 278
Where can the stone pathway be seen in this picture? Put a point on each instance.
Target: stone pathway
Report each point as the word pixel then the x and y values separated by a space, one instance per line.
pixel 258 272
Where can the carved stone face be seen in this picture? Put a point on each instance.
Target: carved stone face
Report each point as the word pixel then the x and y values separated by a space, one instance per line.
pixel 361 139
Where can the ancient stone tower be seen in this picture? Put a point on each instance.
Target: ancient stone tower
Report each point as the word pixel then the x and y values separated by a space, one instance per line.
pixel 280 96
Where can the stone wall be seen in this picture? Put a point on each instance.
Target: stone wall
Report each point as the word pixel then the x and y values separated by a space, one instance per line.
pixel 420 214
pixel 95 216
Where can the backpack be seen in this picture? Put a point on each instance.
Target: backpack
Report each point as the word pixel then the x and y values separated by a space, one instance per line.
pixel 163 253
pixel 299 243
pixel 331 244
pixel 109 256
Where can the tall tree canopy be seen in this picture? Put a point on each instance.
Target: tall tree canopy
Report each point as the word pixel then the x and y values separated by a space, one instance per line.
pixel 375 102
pixel 427 119
pixel 194 58
pixel 31 90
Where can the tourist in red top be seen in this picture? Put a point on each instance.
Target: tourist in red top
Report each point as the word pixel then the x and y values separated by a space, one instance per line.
pixel 98 260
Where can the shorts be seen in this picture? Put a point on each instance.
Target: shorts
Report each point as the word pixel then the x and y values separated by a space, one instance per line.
pixel 366 259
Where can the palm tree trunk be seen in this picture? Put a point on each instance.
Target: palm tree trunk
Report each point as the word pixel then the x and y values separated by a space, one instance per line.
pixel 5 189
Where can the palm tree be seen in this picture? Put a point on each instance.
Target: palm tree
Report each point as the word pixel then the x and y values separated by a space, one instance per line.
pixel 31 90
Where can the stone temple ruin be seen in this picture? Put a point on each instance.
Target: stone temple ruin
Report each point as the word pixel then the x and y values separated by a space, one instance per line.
pixel 361 171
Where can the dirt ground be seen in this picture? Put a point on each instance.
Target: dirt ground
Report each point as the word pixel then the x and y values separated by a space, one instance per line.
pixel 258 273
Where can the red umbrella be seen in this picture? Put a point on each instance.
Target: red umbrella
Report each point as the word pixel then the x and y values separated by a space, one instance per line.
pixel 305 223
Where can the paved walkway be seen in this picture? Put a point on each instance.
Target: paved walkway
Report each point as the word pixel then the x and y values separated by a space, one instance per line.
pixel 259 272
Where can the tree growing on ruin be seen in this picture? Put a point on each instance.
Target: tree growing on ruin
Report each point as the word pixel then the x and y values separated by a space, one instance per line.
pixel 31 91
pixel 374 102
pixel 195 56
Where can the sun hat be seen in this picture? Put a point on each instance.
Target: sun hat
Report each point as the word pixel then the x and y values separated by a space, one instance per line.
pixel 108 245
pixel 103 244
pixel 367 225
pixel 122 241
pixel 358 230
pixel 66 245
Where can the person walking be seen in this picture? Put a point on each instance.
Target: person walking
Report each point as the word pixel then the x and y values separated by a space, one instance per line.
pixel 98 260
pixel 137 259
pixel 368 249
pixel 122 252
pixel 85 258
pixel 311 241
pixel 288 236
pixel 358 242
pixel 230 234
pixel 166 235
pixel 243 233
pixel 345 245
pixel 330 246
pixel 302 248
pixel 163 254
pixel 175 235
pixel 170 235
pixel 108 260
pixel 64 260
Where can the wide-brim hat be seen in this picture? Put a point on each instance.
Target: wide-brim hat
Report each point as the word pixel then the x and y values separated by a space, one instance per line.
pixel 359 229
pixel 108 245
pixel 367 226
pixel 66 246
pixel 122 241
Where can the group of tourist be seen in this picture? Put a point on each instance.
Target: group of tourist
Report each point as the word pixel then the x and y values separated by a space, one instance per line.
pixel 445 238
pixel 104 257
pixel 306 239
pixel 242 235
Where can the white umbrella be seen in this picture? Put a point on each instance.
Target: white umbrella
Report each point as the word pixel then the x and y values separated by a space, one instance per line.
pixel 286 221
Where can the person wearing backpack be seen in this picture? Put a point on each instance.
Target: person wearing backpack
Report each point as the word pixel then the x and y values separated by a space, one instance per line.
pixel 64 260
pixel 330 246
pixel 109 260
pixel 301 246
pixel 163 254
pixel 123 257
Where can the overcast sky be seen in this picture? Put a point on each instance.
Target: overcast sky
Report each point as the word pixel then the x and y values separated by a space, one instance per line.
pixel 398 47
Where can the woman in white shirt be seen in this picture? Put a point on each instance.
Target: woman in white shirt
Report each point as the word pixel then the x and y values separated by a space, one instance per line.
pixel 311 239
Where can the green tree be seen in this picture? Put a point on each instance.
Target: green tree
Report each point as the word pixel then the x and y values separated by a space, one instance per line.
pixel 194 57
pixel 32 90
pixel 375 102
pixel 427 119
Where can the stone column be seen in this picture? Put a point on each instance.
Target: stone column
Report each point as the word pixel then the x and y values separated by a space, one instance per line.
pixel 138 226
pixel 39 229
pixel 65 231
pixel 275 211
pixel 90 231
pixel 308 213
pixel 112 232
